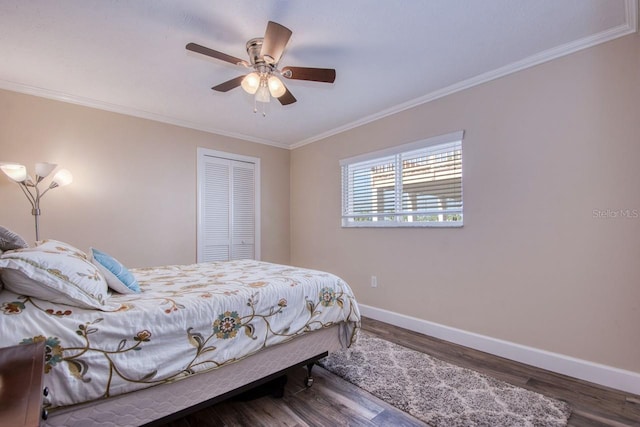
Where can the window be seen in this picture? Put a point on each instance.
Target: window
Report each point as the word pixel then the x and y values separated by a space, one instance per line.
pixel 417 184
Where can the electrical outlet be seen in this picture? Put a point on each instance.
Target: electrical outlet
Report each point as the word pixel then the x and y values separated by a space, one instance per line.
pixel 374 282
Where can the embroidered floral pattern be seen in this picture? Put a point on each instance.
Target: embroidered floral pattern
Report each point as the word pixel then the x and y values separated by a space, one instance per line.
pixel 327 297
pixel 226 325
pixel 144 336
pixel 91 275
pixel 14 307
pixel 58 313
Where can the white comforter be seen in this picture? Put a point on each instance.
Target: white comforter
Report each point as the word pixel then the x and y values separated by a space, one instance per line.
pixel 187 319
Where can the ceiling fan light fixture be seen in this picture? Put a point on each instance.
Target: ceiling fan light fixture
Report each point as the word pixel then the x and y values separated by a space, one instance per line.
pixel 251 83
pixel 276 87
pixel 262 94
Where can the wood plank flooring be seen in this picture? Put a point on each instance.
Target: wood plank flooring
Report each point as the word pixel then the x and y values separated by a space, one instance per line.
pixel 332 401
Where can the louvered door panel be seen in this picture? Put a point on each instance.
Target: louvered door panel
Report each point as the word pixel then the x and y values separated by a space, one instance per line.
pixel 215 205
pixel 243 185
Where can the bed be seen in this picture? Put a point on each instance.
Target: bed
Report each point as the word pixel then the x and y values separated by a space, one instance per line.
pixel 193 335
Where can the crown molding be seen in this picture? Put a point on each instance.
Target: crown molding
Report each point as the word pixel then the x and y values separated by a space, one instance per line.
pixel 629 27
pixel 120 109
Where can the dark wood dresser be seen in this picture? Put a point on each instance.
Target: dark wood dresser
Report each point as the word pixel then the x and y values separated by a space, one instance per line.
pixel 21 385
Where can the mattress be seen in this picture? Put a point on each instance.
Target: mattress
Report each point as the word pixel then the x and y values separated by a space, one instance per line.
pixel 188 319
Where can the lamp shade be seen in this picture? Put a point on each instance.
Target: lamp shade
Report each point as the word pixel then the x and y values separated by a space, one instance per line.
pixel 16 172
pixel 62 177
pixel 262 95
pixel 276 87
pixel 44 169
pixel 251 83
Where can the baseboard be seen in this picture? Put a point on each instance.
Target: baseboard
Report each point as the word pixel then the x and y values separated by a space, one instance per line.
pixel 619 379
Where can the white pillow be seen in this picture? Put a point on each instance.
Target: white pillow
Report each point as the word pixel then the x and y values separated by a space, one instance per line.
pixel 60 247
pixel 57 272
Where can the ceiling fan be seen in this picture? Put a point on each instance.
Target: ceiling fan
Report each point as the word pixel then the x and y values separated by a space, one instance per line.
pixel 264 56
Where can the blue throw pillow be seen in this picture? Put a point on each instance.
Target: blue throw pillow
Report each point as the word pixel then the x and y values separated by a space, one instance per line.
pixel 118 277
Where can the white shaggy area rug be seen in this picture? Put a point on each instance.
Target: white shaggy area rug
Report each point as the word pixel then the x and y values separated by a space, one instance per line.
pixel 439 393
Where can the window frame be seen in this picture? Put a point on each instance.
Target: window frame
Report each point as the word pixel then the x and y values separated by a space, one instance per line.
pixel 397 152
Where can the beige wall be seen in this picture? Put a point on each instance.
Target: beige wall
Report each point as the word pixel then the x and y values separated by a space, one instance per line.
pixel 533 265
pixel 134 189
pixel 543 149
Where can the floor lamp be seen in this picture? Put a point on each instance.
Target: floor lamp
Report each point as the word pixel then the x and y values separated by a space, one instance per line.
pixel 31 189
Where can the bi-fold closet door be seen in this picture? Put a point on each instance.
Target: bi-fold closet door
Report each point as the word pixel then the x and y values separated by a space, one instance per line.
pixel 228 206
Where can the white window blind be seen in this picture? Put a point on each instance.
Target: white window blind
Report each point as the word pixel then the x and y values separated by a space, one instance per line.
pixel 417 184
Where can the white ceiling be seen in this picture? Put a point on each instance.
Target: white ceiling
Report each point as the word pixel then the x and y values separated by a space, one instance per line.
pixel 130 56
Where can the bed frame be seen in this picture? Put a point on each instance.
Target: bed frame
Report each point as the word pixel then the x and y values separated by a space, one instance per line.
pixel 160 404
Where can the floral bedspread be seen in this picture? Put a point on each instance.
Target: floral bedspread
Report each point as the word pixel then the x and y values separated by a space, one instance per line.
pixel 187 319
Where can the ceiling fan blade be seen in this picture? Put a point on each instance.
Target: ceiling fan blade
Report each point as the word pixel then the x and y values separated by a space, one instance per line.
pixel 275 40
pixel 229 84
pixel 287 98
pixel 326 75
pixel 214 54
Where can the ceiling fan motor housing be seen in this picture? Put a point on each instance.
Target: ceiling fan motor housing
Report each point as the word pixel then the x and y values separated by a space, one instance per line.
pixel 254 48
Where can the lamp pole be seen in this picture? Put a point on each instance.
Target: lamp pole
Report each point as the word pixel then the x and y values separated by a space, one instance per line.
pixel 18 174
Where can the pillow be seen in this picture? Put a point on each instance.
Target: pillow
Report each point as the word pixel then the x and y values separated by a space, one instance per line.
pixel 118 277
pixel 57 246
pixel 10 240
pixel 56 272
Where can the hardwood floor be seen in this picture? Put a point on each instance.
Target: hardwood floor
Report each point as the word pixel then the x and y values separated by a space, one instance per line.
pixel 332 401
